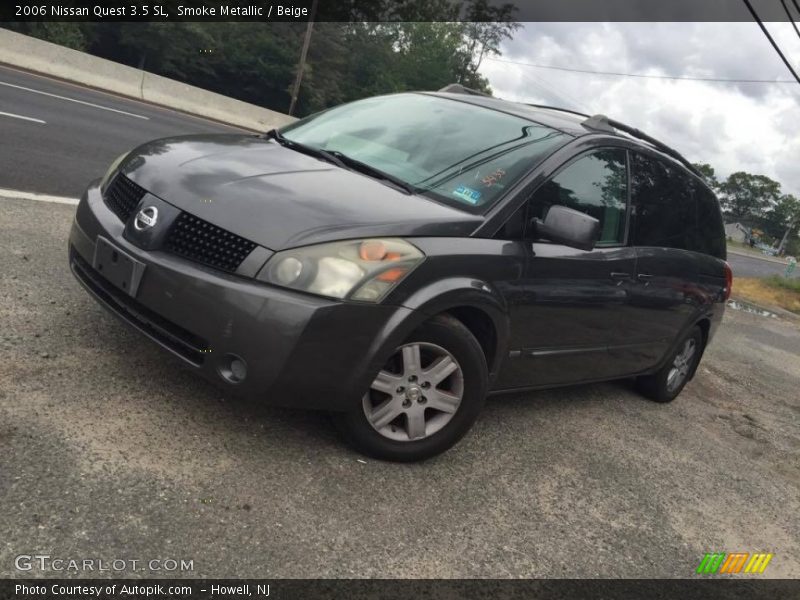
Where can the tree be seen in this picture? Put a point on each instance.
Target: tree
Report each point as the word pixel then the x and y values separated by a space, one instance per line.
pixel 485 27
pixel 745 196
pixel 709 175
pixel 784 217
pixel 383 46
pixel 70 35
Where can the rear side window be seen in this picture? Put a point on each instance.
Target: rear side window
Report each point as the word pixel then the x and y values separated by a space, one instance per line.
pixel 595 184
pixel 711 230
pixel 663 197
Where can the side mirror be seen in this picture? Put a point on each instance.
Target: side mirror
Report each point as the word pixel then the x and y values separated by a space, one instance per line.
pixel 569 227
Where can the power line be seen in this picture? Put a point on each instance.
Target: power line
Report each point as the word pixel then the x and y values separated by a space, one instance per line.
pixel 771 41
pixel 547 87
pixel 789 14
pixel 639 75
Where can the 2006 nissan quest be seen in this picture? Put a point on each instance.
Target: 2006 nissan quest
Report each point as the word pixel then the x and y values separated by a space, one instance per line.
pixel 396 259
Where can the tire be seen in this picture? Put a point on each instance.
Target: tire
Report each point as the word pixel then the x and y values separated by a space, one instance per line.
pixel 385 423
pixel 662 386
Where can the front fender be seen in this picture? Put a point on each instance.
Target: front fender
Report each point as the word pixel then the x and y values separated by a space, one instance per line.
pixel 438 297
pixel 461 292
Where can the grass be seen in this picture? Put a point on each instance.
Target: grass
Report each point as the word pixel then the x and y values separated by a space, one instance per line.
pixel 791 283
pixel 771 291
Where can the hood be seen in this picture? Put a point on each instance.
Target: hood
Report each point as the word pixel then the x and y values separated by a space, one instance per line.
pixel 280 198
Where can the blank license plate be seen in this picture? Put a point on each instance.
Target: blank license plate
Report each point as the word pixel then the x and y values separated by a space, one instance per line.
pixel 118 267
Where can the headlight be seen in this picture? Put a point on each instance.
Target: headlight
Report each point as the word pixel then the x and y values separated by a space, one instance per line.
pixel 112 169
pixel 363 270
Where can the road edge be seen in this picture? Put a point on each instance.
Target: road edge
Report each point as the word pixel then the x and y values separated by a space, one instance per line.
pixel 43 58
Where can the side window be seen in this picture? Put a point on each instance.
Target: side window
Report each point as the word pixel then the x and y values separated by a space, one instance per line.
pixel 596 184
pixel 663 197
pixel 711 231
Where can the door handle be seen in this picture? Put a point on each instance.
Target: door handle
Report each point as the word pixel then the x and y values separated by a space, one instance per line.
pixel 644 278
pixel 617 276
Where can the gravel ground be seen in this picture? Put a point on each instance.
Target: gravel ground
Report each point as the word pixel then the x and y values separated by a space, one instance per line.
pixel 108 449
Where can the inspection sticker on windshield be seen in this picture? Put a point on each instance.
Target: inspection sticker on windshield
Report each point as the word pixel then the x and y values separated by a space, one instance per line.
pixel 467 193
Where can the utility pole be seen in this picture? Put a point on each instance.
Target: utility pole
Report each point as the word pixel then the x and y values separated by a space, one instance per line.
pixel 782 245
pixel 303 53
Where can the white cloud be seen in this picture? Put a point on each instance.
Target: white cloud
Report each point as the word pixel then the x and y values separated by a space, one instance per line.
pixel 748 126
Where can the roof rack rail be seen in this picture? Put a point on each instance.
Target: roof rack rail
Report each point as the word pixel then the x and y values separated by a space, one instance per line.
pixel 603 123
pixel 558 108
pixel 457 88
pixel 598 123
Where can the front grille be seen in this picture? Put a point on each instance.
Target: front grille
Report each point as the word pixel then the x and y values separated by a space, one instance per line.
pixel 182 342
pixel 122 196
pixel 202 242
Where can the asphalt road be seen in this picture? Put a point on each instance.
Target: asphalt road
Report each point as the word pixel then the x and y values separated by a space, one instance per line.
pixel 109 449
pixel 747 266
pixel 80 133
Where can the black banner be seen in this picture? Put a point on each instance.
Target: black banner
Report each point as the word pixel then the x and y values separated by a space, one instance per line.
pixel 393 10
pixel 393 589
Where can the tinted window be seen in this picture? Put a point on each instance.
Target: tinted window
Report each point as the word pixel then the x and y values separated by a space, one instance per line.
pixel 596 185
pixel 462 154
pixel 663 197
pixel 711 231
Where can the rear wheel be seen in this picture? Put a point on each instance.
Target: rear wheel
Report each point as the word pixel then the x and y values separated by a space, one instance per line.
pixel 424 399
pixel 667 383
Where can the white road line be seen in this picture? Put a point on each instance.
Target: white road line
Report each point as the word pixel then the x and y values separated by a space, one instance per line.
pixel 129 99
pixel 12 115
pixel 27 89
pixel 16 194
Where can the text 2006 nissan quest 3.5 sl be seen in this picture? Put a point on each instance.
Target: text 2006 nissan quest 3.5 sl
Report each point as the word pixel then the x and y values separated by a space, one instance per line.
pixel 396 259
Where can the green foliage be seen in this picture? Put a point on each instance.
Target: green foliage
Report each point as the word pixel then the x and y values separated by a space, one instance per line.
pixel 70 35
pixel 746 195
pixel 756 200
pixel 416 45
pixel 709 175
pixel 793 247
pixel 484 29
pixel 785 213
pixel 786 283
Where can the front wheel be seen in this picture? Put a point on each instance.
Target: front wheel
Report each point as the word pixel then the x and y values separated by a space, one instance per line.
pixel 426 397
pixel 665 384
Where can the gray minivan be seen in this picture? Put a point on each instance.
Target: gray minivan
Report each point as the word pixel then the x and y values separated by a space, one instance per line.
pixel 396 259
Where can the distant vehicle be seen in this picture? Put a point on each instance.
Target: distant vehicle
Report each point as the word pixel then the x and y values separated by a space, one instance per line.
pixel 396 259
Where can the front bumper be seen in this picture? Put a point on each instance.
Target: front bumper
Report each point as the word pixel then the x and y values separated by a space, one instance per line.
pixel 300 350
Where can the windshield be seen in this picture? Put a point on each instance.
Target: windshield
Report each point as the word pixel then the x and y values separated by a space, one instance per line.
pixel 463 154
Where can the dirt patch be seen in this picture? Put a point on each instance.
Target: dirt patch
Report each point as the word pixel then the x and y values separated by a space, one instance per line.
pixel 767 293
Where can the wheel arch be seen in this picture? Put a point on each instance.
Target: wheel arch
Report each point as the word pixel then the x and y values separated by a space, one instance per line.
pixel 476 304
pixel 482 326
pixel 703 321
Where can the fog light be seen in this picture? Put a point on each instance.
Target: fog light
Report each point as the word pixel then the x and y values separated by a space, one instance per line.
pixel 233 368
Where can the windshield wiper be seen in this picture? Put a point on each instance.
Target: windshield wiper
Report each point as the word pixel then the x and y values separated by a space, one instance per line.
pixel 310 150
pixel 342 160
pixel 357 165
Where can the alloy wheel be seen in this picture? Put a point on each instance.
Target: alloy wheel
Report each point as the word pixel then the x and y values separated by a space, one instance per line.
pixel 416 394
pixel 681 365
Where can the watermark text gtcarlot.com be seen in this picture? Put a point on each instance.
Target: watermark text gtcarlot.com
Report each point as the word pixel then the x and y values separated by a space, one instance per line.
pixel 46 562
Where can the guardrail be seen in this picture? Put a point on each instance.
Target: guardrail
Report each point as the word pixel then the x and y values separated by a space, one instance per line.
pixel 42 57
